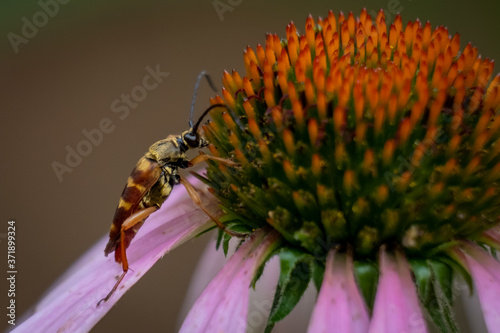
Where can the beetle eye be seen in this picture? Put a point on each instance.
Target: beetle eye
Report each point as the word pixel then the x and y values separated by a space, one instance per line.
pixel 192 140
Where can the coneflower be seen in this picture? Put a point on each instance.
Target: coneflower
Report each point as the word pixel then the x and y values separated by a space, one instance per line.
pixel 368 160
pixel 373 148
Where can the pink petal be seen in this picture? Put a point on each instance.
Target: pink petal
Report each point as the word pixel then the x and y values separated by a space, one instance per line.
pixel 340 307
pixel 485 271
pixel 260 298
pixel 209 264
pixel 223 306
pixel 396 307
pixel 72 305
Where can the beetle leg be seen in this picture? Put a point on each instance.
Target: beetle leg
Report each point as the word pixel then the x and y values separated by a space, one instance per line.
pixel 196 199
pixel 203 157
pixel 133 220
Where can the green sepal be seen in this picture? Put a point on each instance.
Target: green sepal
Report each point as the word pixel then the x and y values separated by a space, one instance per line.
pixel 444 277
pixel 232 224
pixel 223 239
pixel 434 282
pixel 297 270
pixel 367 277
pixel 494 252
pixel 205 231
pixel 203 179
pixel 225 243
pixel 423 277
pixel 317 274
pixel 235 224
pixel 239 227
pixel 442 248
pixel 442 282
pixel 456 267
pixel 219 239
pixel 260 270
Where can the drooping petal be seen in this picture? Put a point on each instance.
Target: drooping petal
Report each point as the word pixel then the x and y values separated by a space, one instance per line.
pixel 260 298
pixel 223 305
pixel 396 307
pixel 340 307
pixel 485 271
pixel 209 264
pixel 72 305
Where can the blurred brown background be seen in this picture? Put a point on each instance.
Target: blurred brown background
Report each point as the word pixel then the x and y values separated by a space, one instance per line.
pixel 64 79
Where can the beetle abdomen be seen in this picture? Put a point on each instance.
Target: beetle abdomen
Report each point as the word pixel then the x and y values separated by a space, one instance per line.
pixel 144 176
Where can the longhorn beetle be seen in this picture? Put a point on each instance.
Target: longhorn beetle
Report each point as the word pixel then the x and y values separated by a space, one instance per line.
pixel 151 182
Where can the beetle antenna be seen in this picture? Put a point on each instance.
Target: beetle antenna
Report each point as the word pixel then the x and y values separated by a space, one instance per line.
pixel 197 85
pixel 236 119
pixel 195 127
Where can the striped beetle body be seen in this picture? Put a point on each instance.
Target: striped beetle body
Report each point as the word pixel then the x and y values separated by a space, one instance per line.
pixel 150 184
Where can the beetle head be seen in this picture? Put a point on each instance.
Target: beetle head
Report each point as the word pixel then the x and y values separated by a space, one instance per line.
pixel 193 140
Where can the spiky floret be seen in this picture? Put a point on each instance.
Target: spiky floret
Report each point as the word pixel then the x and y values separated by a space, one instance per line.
pixel 360 133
